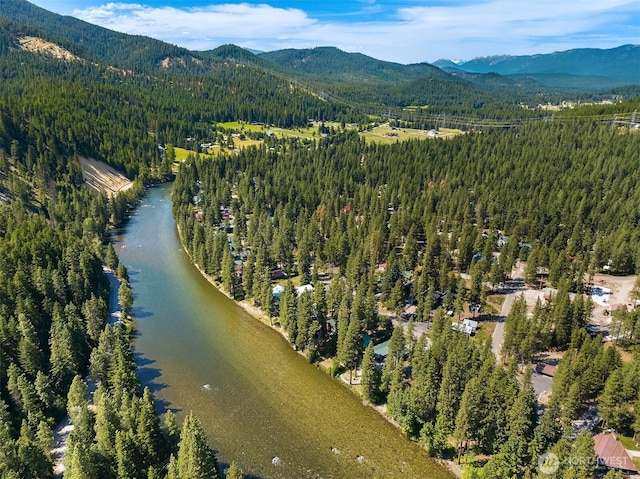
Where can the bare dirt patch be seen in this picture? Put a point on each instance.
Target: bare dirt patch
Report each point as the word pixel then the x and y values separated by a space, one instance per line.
pixel 101 177
pixel 619 289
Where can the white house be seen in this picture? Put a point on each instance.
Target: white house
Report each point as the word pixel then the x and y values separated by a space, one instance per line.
pixel 468 326
pixel 303 289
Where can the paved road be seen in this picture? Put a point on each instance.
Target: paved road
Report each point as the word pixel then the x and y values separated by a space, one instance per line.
pixel 498 333
pixel 511 290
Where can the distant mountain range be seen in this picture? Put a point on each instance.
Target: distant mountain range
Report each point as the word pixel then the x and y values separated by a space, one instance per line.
pixel 591 69
pixel 582 67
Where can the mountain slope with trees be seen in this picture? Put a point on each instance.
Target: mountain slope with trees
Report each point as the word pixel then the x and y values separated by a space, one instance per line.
pixel 337 65
pixel 100 44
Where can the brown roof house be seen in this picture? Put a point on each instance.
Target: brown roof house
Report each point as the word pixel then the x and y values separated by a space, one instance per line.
pixel 612 454
pixel 546 369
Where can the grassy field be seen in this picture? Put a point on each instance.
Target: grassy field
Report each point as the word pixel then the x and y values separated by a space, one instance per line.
pixel 495 301
pixel 214 151
pixel 383 134
pixel 486 329
pixel 182 153
pixel 243 143
pixel 307 132
pixel 386 134
pixel 628 443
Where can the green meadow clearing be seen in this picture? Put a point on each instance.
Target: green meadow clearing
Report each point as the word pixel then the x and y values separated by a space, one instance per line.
pixel 383 134
pixel 386 134
pixel 309 132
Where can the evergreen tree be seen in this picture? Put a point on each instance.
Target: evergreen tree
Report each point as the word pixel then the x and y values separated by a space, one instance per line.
pixel 394 356
pixel 547 432
pixel 352 347
pixel 452 386
pixel 234 471
pixel 395 302
pixel 370 379
pixel 171 431
pixel 228 272
pixel 126 452
pixel 34 461
pixel 304 321
pixel 613 405
pixel 468 418
pixel 29 352
pixel 531 268
pixel 77 400
pixel 107 422
pixel 111 258
pixel 195 459
pixel 584 460
pixel 148 433
pixel 434 437
pixel 266 293
pixel 9 463
pixel 521 422
pixel 125 297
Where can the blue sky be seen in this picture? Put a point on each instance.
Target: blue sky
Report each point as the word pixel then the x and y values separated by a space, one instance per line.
pixel 402 31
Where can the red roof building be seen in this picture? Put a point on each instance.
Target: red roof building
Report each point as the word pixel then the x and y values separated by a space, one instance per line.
pixel 546 369
pixel 612 454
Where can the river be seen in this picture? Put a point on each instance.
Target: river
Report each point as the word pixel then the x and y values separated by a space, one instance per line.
pixel 256 398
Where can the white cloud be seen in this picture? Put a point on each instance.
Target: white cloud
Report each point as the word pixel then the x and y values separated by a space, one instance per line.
pixel 413 34
pixel 203 27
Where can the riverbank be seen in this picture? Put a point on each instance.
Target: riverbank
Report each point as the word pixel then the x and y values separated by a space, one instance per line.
pixel 64 428
pixel 257 314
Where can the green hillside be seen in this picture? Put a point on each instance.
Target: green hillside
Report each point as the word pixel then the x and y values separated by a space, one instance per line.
pixel 336 65
pixel 97 43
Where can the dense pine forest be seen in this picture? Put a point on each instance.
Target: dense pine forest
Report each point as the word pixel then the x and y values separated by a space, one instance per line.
pixel 366 229
pixel 365 226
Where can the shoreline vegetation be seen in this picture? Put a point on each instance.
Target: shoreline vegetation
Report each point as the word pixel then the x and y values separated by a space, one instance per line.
pixel 259 315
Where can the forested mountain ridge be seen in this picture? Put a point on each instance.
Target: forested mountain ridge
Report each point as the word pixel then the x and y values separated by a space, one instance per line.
pixel 611 67
pixel 326 73
pixel 100 44
pixel 86 114
pixel 337 65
